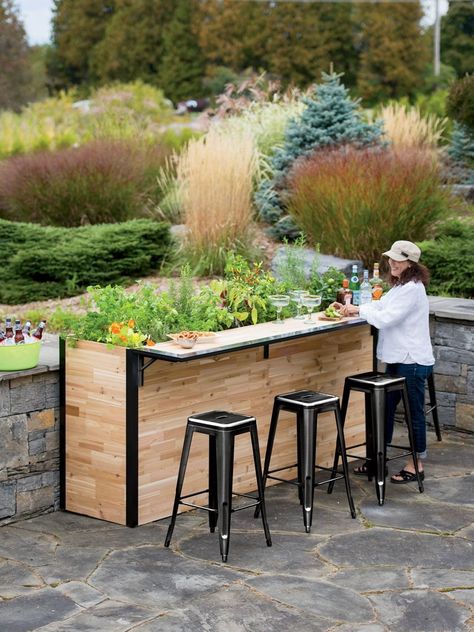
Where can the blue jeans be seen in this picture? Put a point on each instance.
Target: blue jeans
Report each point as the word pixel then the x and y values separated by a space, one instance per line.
pixel 415 376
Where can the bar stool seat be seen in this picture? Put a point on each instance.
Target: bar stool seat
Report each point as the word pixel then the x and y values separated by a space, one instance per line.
pixel 222 427
pixel 307 405
pixel 375 386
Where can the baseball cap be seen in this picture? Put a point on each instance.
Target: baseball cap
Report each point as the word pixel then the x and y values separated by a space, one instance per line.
pixel 403 251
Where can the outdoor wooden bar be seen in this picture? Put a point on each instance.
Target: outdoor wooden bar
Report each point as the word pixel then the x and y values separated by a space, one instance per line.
pixel 124 411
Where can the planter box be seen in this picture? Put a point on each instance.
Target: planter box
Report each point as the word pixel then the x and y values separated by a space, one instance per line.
pixel 125 411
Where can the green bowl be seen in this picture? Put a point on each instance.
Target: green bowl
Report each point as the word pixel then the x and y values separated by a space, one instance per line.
pixel 19 357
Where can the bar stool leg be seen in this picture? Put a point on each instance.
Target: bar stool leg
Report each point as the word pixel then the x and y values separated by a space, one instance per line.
pixel 411 437
pixel 179 483
pixel 379 452
pixel 308 420
pixel 345 403
pixel 370 445
pixel 268 452
pixel 341 445
pixel 434 406
pixel 299 461
pixel 225 470
pixel 213 508
pixel 260 487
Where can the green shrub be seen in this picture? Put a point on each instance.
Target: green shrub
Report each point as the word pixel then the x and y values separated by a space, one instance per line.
pixel 450 259
pixel 354 203
pixel 43 262
pixel 101 182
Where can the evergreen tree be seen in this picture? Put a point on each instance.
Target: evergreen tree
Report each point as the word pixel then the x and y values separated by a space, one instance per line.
pixel 132 46
pixel 393 51
pixel 457 36
pixel 15 73
pixel 233 34
pixel 304 39
pixel 78 26
pixel 460 104
pixel 461 152
pixel 182 65
pixel 331 119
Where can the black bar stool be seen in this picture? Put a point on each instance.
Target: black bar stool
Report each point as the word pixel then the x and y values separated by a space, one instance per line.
pixel 433 406
pixel 307 405
pixel 375 386
pixel 222 428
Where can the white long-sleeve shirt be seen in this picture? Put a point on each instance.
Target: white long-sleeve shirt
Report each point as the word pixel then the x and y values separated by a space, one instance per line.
pixel 402 318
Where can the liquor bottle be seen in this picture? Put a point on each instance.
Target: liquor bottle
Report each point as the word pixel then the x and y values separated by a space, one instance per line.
pixel 365 289
pixel 377 289
pixel 344 294
pixel 19 337
pixel 38 332
pixel 354 285
pixel 9 328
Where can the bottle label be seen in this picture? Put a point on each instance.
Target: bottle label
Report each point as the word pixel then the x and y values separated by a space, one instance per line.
pixel 356 297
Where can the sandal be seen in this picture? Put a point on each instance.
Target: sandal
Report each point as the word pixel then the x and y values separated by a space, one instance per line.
pixel 406 477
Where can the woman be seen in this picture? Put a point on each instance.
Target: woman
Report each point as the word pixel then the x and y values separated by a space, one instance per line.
pixel 404 345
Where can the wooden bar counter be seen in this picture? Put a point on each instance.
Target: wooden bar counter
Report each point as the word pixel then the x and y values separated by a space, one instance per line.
pixel 125 411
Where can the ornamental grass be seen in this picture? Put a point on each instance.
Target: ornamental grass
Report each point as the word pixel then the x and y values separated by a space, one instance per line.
pixel 406 127
pixel 356 203
pixel 100 182
pixel 215 175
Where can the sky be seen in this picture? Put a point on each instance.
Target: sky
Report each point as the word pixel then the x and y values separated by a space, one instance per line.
pixel 36 17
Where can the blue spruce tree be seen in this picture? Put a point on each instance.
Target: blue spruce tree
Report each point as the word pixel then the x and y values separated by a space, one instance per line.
pixel 461 152
pixel 331 119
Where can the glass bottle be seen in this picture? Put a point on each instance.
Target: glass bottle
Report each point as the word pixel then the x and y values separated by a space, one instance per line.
pixel 354 285
pixel 365 289
pixel 19 337
pixel 9 328
pixel 344 294
pixel 377 289
pixel 38 332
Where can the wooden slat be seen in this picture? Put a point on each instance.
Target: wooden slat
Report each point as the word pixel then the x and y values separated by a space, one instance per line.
pixel 95 431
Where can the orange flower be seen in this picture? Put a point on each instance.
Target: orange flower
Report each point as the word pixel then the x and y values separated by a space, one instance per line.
pixel 131 324
pixel 150 343
pixel 115 328
pixel 123 338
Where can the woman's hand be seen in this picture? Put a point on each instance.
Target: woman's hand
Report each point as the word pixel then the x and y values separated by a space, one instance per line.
pixel 337 306
pixel 349 310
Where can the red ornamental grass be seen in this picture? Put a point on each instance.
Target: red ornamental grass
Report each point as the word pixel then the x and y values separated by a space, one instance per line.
pixel 101 182
pixel 356 203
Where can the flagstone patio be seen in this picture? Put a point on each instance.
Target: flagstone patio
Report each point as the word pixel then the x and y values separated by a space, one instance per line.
pixel 407 566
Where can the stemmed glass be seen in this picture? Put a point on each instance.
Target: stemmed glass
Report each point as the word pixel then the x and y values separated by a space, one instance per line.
pixel 279 301
pixel 297 297
pixel 310 301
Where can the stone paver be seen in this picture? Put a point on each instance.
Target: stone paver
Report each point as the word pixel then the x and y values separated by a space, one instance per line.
pixel 405 566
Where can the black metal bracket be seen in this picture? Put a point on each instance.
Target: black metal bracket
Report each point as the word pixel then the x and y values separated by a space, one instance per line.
pixel 266 352
pixel 141 368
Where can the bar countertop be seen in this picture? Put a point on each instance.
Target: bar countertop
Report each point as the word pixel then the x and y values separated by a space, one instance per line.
pixel 248 336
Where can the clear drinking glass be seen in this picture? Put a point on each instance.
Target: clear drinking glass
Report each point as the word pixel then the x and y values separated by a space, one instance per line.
pixel 310 301
pixel 297 297
pixel 279 301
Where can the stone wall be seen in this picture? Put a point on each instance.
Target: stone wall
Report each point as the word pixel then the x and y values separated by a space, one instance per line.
pixel 453 346
pixel 29 445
